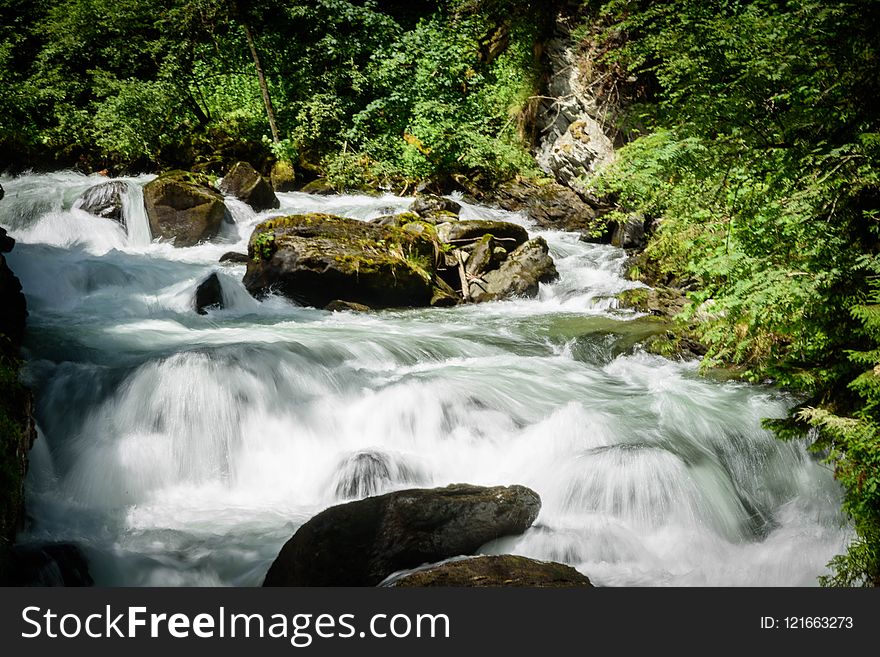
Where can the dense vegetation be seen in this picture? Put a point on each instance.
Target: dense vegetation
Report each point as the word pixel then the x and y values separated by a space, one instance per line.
pixel 366 92
pixel 759 150
pixel 756 146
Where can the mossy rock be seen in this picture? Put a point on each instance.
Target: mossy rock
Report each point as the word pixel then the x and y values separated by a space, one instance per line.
pixel 505 570
pixel 184 207
pixel 318 186
pixel 314 259
pixel 283 176
pixel 246 184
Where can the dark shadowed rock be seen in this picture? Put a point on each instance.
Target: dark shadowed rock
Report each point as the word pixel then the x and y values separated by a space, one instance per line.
pixel 184 207
pixel 2 193
pixel 13 307
pixel 104 200
pixel 631 234
pixel 246 184
pixel 6 242
pixel 58 564
pixel 519 275
pixel 502 570
pixel 460 233
pixel 209 294
pixel 234 258
pixel 361 543
pixel 315 259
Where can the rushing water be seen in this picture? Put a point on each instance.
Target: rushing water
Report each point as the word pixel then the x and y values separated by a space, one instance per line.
pixel 179 449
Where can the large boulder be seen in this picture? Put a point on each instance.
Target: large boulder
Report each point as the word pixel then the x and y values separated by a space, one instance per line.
pixel 518 276
pixel 316 258
pixel 361 543
pixel 184 207
pixel 502 570
pixel 246 184
pixel 104 200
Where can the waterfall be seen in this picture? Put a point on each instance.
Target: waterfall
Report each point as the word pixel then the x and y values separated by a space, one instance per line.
pixel 179 449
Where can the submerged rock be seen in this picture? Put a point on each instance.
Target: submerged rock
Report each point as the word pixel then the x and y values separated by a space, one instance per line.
pixel 502 570
pixel 104 200
pixel 209 295
pixel 184 207
pixel 246 184
pixel 234 257
pixel 366 473
pixel 361 543
pixel 315 259
pixel 338 305
pixel 519 275
pixel 58 564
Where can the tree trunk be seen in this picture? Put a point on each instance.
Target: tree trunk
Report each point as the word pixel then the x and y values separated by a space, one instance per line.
pixel 267 101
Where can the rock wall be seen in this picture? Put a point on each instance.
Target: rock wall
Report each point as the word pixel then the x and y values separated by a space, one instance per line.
pixel 578 113
pixel 17 429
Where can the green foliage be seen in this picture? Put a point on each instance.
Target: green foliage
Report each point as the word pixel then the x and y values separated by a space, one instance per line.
pixel 263 246
pixel 351 82
pixel 761 160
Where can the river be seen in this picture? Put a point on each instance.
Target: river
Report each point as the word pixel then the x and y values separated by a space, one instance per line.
pixel 179 449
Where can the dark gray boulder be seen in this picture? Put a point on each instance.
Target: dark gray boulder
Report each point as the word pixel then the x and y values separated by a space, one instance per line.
pixel 246 184
pixel 361 543
pixel 492 571
pixel 184 207
pixel 104 200
pixel 209 295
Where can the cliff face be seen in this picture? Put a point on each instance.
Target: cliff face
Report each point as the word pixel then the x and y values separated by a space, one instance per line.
pixel 579 121
pixel 17 429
